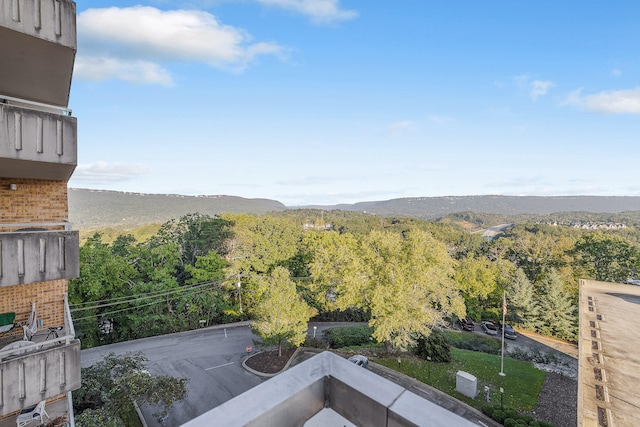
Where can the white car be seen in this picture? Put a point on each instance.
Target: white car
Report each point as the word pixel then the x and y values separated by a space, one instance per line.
pixel 489 328
pixel 359 360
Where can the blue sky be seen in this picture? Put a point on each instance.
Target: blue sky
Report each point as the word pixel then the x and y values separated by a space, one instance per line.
pixel 337 101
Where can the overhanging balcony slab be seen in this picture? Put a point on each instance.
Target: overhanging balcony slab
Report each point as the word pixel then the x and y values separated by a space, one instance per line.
pixel 37 144
pixel 39 375
pixel 38 256
pixel 38 47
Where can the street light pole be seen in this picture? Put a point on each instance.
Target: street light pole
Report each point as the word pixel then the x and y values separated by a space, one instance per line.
pixel 240 295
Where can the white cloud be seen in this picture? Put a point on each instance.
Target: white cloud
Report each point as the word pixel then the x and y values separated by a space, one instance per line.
pixel 400 127
pixel 320 11
pixel 539 88
pixel 441 120
pixel 536 88
pixel 611 102
pixel 133 42
pixel 105 173
pixel 105 68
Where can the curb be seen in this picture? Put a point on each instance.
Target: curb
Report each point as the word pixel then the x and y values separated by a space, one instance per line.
pixel 263 374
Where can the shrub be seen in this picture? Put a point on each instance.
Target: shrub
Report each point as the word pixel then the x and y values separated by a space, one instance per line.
pixel 510 422
pixel 314 342
pixel 347 336
pixel 348 315
pixel 509 417
pixel 477 343
pixel 436 346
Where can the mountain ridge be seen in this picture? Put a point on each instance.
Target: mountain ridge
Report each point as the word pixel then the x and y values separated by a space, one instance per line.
pixel 94 209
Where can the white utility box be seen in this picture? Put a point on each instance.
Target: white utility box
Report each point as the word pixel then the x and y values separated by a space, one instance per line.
pixel 466 384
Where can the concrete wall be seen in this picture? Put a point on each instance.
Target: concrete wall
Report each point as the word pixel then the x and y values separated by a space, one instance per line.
pixel 51 20
pixel 38 256
pixel 27 379
pixel 37 144
pixel 329 381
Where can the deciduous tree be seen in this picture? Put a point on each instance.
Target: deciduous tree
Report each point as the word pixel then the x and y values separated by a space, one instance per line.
pixel 110 386
pixel 282 315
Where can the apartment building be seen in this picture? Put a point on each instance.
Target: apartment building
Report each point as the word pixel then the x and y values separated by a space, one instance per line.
pixel 39 354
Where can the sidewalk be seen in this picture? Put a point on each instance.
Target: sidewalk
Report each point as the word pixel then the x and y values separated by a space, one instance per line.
pixel 565 347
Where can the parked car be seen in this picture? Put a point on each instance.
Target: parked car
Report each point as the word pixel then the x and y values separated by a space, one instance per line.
pixel 359 360
pixel 509 332
pixel 489 328
pixel 466 324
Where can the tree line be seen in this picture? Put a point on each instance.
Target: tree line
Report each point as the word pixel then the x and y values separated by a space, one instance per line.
pixel 404 276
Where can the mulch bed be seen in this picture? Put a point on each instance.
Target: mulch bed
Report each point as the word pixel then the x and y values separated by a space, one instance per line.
pixel 268 362
pixel 557 401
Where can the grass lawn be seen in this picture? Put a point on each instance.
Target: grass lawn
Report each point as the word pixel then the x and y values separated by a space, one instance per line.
pixel 521 384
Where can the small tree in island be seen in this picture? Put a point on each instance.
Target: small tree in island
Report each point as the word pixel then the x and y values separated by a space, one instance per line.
pixel 111 386
pixel 282 315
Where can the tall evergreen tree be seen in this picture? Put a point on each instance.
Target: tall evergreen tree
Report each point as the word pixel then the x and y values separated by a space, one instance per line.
pixel 521 299
pixel 557 310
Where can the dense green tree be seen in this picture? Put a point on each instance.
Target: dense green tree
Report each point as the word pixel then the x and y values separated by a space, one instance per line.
pixel 476 277
pixel 259 244
pixel 335 269
pixel 110 386
pixel 557 313
pixel 523 308
pixel 193 235
pixel 209 267
pixel 435 347
pixel 531 248
pixel 409 285
pixel 282 315
pixel 404 280
pixel 103 275
pixel 212 302
pixel 608 257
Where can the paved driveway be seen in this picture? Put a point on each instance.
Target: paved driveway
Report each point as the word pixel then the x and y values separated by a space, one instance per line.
pixel 211 358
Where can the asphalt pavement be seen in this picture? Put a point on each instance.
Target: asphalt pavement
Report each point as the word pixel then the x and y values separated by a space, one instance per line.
pixel 211 358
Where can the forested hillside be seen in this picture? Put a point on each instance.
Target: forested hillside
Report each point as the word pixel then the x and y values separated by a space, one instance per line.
pixel 403 275
pixel 94 209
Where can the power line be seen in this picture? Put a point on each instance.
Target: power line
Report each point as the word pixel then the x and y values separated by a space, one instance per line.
pixel 196 291
pixel 143 296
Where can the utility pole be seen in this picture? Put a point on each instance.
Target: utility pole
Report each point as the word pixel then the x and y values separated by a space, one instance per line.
pixel 240 294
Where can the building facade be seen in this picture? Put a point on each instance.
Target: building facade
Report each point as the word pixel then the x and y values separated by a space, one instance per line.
pixel 38 248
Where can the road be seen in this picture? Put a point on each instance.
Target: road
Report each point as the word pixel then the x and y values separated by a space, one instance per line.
pixel 565 353
pixel 211 358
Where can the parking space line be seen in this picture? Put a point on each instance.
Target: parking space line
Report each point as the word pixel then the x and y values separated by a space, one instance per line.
pixel 219 366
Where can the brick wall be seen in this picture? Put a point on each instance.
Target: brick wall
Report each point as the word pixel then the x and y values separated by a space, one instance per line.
pixel 33 201
pixel 48 297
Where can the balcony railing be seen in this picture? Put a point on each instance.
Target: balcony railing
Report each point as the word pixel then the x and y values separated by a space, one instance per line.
pixel 37 144
pixel 33 254
pixel 36 370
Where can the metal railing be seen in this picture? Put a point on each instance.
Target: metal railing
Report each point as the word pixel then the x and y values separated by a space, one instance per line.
pixel 48 226
pixel 25 103
pixel 21 347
